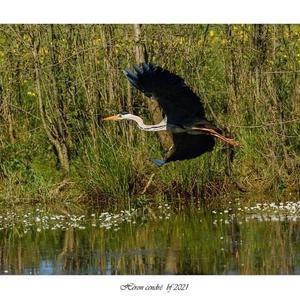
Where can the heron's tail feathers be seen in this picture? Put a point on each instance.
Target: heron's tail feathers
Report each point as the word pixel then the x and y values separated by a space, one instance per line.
pixel 204 123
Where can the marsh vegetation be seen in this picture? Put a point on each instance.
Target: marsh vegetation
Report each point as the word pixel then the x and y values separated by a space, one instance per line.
pixel 58 81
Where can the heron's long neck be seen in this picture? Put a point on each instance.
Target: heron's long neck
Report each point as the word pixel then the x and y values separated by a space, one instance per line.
pixel 162 126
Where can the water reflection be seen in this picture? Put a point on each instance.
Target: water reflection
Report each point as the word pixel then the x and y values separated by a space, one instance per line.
pixel 190 242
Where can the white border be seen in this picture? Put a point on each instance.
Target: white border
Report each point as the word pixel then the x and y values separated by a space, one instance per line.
pixel 149 11
pixel 231 287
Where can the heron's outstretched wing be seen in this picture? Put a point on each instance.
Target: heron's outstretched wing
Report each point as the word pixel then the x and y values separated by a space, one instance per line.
pixel 178 101
pixel 188 146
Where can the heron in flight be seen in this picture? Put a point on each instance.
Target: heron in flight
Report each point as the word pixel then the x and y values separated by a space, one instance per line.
pixel 192 134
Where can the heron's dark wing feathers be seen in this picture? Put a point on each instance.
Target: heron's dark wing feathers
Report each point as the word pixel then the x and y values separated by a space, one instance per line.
pixel 188 146
pixel 178 101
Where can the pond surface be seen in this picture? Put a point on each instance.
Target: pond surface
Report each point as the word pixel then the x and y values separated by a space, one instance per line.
pixel 263 239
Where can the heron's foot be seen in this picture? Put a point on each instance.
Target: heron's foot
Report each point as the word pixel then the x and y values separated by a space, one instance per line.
pixel 158 162
pixel 230 141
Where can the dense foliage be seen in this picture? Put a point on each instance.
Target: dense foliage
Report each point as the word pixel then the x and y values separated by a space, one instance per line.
pixel 57 81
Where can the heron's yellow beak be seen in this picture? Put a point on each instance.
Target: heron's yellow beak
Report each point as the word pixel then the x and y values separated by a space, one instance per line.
pixel 113 117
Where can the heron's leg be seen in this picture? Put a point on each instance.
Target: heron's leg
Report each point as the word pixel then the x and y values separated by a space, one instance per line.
pixel 218 135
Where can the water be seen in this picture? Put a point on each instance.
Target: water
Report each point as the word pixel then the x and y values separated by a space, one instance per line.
pixel 262 239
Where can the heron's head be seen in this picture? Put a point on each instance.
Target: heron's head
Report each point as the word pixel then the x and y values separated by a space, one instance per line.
pixel 120 116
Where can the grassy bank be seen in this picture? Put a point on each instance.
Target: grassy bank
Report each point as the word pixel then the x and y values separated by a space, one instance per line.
pixel 120 175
